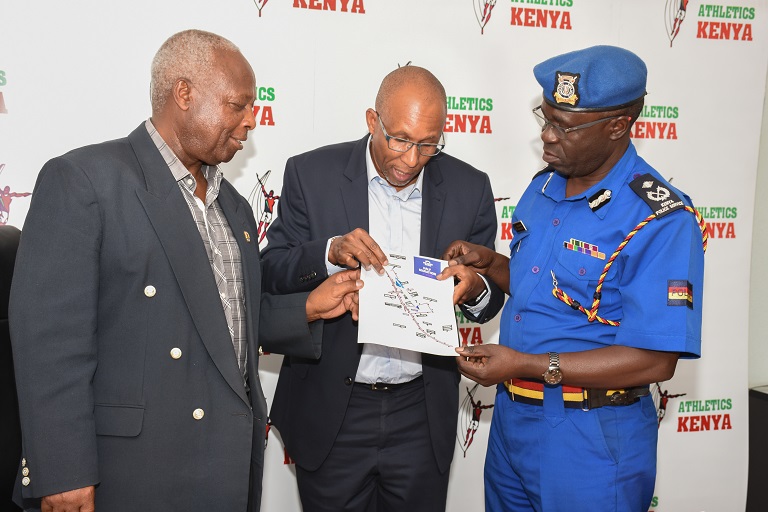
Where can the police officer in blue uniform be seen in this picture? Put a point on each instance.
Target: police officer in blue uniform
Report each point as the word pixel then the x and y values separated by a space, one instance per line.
pixel 604 279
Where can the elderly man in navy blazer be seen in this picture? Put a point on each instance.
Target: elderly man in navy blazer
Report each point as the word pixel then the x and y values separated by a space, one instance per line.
pixel 137 312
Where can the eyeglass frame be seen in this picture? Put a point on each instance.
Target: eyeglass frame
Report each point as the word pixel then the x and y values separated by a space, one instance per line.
pixel 438 146
pixel 537 111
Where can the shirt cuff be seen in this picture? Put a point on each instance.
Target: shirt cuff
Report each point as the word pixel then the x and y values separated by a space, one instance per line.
pixel 330 267
pixel 480 306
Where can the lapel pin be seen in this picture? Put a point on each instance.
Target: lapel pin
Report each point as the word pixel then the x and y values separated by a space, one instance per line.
pixel 247 236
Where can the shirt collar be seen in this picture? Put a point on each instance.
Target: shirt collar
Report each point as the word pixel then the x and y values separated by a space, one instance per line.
pixel 554 187
pixel 213 175
pixel 412 191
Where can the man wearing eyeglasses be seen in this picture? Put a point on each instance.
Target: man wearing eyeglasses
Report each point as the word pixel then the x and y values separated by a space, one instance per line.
pixel 604 279
pixel 372 427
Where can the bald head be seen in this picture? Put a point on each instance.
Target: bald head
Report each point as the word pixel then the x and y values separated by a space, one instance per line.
pixel 417 80
pixel 410 111
pixel 190 55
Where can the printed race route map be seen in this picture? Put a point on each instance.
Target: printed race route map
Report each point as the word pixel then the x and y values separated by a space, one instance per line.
pixel 408 307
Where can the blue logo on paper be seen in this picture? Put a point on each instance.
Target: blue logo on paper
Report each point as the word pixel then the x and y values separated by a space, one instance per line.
pixel 426 267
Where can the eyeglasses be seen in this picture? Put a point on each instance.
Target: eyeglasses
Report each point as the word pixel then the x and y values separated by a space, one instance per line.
pixel 404 145
pixel 561 132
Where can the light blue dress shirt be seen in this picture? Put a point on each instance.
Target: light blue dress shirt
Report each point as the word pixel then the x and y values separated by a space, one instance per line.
pixel 394 221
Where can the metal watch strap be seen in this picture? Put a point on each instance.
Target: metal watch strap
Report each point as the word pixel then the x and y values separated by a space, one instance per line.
pixel 476 300
pixel 554 360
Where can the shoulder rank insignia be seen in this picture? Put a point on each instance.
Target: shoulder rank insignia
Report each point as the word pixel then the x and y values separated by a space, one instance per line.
pixel 661 199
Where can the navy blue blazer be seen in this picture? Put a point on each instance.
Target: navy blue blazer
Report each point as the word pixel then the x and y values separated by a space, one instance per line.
pixel 111 277
pixel 10 431
pixel 325 193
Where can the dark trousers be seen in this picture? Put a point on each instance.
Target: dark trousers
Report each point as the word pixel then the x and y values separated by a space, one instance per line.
pixel 382 460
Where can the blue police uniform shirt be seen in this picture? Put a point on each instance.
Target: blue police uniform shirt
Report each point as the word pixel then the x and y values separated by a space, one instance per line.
pixel 642 288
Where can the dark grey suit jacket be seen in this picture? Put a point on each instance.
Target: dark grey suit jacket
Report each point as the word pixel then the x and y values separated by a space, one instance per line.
pixel 325 193
pixel 10 433
pixel 101 399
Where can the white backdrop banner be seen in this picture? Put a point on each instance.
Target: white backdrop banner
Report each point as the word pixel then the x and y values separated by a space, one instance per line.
pixel 77 72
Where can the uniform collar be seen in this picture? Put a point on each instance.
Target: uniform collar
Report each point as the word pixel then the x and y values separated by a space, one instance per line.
pixel 553 185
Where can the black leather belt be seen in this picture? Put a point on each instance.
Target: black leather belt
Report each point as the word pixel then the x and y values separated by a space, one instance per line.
pixel 384 386
pixel 532 392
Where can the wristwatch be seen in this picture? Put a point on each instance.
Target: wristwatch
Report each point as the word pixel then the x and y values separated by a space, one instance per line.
pixel 474 302
pixel 553 375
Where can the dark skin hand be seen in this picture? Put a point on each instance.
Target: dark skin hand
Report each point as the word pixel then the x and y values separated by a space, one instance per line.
pixel 76 500
pixel 356 249
pixel 335 296
pixel 480 259
pixel 468 284
pixel 608 368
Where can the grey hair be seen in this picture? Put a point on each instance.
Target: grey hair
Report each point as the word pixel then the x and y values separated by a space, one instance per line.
pixel 408 75
pixel 187 54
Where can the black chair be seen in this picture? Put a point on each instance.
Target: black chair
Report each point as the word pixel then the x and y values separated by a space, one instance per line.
pixel 10 431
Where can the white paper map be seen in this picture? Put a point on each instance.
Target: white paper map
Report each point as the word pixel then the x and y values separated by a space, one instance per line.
pixel 408 307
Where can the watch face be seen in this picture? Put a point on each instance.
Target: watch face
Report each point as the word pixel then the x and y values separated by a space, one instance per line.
pixel 553 376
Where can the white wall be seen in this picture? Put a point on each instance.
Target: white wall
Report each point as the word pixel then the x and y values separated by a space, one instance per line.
pixel 758 319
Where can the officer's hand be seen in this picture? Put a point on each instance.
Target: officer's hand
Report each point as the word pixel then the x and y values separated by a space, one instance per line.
pixel 469 285
pixel 77 500
pixel 481 259
pixel 487 364
pixel 356 249
pixel 335 296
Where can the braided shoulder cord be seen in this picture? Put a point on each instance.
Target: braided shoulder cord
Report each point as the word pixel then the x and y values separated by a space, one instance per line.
pixel 597 296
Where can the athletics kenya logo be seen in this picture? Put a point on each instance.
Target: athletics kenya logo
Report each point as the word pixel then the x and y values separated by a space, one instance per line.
pixel 483 10
pixel 674 14
pixel 260 5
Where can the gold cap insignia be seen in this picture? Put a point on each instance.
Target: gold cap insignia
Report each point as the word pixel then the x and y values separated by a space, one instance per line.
pixel 566 88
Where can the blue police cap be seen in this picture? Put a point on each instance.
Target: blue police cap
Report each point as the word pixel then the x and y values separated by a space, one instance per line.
pixel 593 79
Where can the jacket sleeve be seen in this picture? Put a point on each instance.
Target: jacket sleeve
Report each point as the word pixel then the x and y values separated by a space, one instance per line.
pixel 293 261
pixel 484 233
pixel 53 323
pixel 283 327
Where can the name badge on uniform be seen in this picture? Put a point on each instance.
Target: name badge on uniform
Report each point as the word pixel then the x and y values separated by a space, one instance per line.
pixel 519 227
